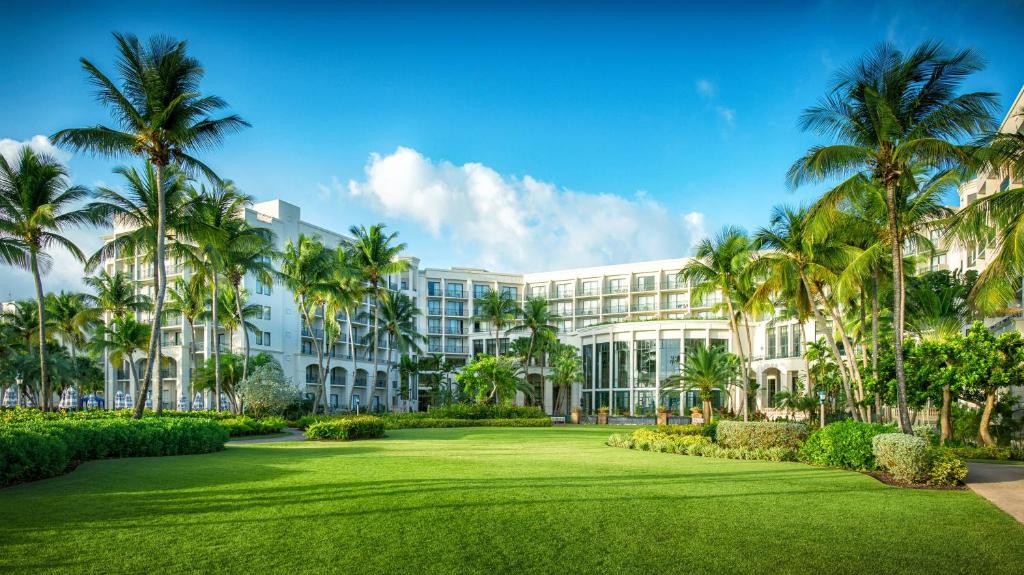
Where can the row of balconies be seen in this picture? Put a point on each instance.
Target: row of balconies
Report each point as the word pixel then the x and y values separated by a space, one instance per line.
pixel 610 289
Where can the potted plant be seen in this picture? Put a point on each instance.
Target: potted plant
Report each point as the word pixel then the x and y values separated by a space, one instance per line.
pixel 602 416
pixel 576 413
pixel 696 414
pixel 663 413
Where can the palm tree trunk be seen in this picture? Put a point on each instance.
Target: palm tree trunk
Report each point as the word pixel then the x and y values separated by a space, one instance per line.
pixel 245 332
pixel 897 308
pixel 844 375
pixel 44 383
pixel 158 386
pixel 216 344
pixel 373 377
pixel 750 349
pixel 351 380
pixel 874 343
pixel 945 417
pixel 161 285
pixel 739 345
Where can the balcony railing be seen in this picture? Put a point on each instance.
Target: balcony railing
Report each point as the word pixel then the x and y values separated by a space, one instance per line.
pixel 315 332
pixel 674 305
pixel 590 291
pixel 455 294
pixel 644 286
pixel 455 312
pixel 587 311
pixel 435 348
pixel 644 307
pixel 434 329
pixel 455 349
pixel 539 293
pixel 454 331
pixel 435 292
pixel 433 311
pixel 616 289
pixel 562 294
pixel 673 284
pixel 615 309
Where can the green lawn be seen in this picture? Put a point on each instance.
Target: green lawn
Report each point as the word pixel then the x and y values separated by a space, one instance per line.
pixel 489 501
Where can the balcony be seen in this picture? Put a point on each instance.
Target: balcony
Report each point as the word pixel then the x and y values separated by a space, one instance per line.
pixel 615 309
pixel 455 312
pixel 455 331
pixel 434 329
pixel 315 332
pixel 674 305
pixel 455 293
pixel 434 291
pixel 433 311
pixel 541 293
pixel 587 311
pixel 616 289
pixel 645 286
pixel 562 294
pixel 435 348
pixel 673 284
pixel 590 291
pixel 644 307
pixel 455 349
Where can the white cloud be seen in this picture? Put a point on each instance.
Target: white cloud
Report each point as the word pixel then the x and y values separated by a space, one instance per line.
pixel 727 114
pixel 520 224
pixel 706 88
pixel 10 149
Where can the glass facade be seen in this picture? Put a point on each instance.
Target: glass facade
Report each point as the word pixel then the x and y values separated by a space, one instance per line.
pixel 669 359
pixel 588 366
pixel 645 362
pixel 621 364
pixel 621 402
pixel 604 365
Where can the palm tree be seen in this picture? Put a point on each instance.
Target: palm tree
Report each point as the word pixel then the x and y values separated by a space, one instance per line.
pixel 121 339
pixel 536 318
pixel 497 308
pixel 794 262
pixel 346 297
pixel 72 318
pixel 115 293
pixel 213 217
pixel 37 206
pixel 398 313
pixel 408 369
pixel 376 255
pixel 306 270
pixel 567 369
pixel 720 264
pixel 189 299
pixel 705 370
pixel 890 113
pixel 249 252
pixel 160 116
pixel 997 222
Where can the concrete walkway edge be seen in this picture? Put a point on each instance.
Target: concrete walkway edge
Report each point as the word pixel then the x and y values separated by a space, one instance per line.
pixel 1001 484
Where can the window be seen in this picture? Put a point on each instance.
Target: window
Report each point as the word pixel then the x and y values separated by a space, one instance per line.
pixel 434 344
pixel 938 261
pixel 617 285
pixel 669 359
pixel 645 303
pixel 645 362
pixel 588 366
pixel 645 283
pixel 620 402
pixel 311 375
pixel 770 339
pixel 454 308
pixel 262 288
pixel 722 344
pixel 266 313
pixel 454 327
pixel 433 307
pixel 510 291
pixel 590 287
pixel 263 338
pixel 405 284
pixel 480 290
pixel 563 308
pixel 306 348
pixel 455 290
pixel 565 326
pixel 675 301
pixel 604 365
pixel 563 290
pixel 434 288
pixel 784 341
pixel 616 305
pixel 170 338
pixel 434 325
pixel 621 364
pixel 538 291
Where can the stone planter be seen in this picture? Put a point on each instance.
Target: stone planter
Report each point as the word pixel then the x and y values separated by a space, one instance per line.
pixel 662 418
pixel 602 418
pixel 575 417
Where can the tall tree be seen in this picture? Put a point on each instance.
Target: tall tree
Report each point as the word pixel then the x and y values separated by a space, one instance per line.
pixel 116 294
pixel 498 309
pixel 121 339
pixel 705 370
pixel 72 317
pixel 376 255
pixel 398 313
pixel 161 116
pixel 888 113
pixel 37 207
pixel 249 253
pixel 348 294
pixel 719 265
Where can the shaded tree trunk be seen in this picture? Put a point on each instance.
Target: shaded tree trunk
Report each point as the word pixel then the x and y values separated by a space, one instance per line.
pixel 874 345
pixel 844 375
pixel 161 285
pixel 216 342
pixel 44 382
pixel 245 332
pixel 897 308
pixel 945 417
pixel 986 418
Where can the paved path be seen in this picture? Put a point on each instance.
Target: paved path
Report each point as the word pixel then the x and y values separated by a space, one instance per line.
pixel 1003 485
pixel 292 434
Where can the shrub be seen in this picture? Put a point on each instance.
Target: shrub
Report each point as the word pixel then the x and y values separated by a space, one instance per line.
pixel 761 434
pixel 648 440
pixel 482 411
pixel 400 421
pixel 903 456
pixel 846 444
pixel 945 468
pixel 697 445
pixel 927 433
pixel 996 453
pixel 355 427
pixel 689 429
pixel 620 440
pixel 243 425
pixel 40 448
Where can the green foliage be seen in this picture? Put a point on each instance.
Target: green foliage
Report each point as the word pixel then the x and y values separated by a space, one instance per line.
pixel 345 428
pixel 484 411
pixel 688 429
pixel 244 425
pixel 267 390
pixel 697 445
pixel 457 415
pixel 846 444
pixel 988 452
pixel 903 456
pixel 38 448
pixel 399 421
pixel 761 434
pixel 927 433
pixel 493 378
pixel 945 467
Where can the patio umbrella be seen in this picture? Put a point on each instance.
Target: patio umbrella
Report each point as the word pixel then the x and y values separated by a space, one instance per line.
pixel 149 400
pixel 91 401
pixel 197 402
pixel 183 403
pixel 223 402
pixel 63 403
pixel 128 401
pixel 119 400
pixel 10 397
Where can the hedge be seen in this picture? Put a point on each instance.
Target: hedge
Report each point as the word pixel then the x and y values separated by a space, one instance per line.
pixel 392 422
pixel 243 425
pixel 903 456
pixel 687 429
pixel 945 468
pixel 846 444
pixel 761 434
pixel 45 448
pixel 355 427
pixel 996 453
pixel 696 445
pixel 482 411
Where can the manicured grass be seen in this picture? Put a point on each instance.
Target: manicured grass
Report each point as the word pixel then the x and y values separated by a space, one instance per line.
pixel 548 500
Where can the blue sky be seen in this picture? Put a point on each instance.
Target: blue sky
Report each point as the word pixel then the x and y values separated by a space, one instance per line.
pixel 586 134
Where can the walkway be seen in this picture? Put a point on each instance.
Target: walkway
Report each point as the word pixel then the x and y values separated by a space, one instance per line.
pixel 1002 484
pixel 291 434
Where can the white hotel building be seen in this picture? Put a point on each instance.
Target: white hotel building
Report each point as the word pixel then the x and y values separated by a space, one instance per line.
pixel 632 322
